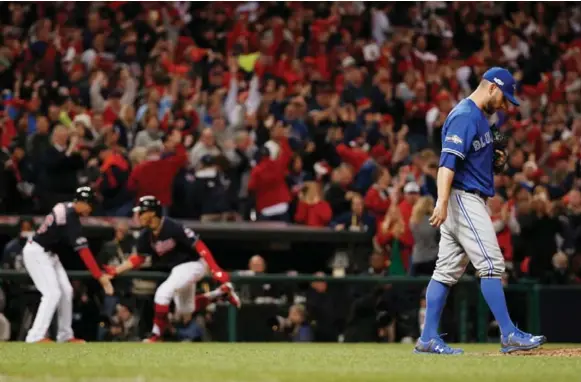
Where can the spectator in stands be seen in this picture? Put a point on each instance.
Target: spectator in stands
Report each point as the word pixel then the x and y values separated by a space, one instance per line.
pixel 297 176
pixel 112 183
pixel 12 254
pixel 123 326
pixel 268 183
pixel 322 308
pixel 505 225
pixel 85 312
pixel 254 292
pixel 338 192
pixel 302 331
pixel 560 274
pixel 358 220
pixel 240 158
pixel 205 146
pixel 411 194
pixel 18 177
pixel 184 328
pixel 312 210
pixel 574 215
pixel 377 199
pixel 426 238
pixel 539 227
pixel 60 166
pixel 153 176
pixel 207 196
pixel 392 226
pixel 364 320
pixel 150 135
pixel 39 141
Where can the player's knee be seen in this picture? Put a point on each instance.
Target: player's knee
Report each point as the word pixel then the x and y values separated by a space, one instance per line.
pixel 163 295
pixel 67 292
pixel 52 297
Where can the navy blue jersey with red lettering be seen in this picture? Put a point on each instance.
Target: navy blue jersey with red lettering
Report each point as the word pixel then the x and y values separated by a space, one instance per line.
pixel 61 230
pixel 466 134
pixel 173 245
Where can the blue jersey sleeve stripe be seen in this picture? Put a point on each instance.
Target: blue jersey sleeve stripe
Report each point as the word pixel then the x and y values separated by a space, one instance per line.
pixel 455 152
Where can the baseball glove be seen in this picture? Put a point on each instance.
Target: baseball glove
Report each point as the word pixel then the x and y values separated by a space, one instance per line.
pixel 500 143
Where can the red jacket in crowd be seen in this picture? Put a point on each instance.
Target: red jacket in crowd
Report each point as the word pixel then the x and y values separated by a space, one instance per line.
pixel 313 215
pixel 354 156
pixel 504 240
pixel 377 202
pixel 268 179
pixel 155 177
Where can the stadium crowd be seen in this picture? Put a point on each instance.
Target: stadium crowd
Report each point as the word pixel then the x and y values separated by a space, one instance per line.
pixel 320 114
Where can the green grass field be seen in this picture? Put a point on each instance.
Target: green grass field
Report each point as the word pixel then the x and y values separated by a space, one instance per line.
pixel 214 362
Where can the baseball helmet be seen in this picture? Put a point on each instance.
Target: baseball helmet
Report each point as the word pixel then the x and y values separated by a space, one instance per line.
pixel 148 203
pixel 85 194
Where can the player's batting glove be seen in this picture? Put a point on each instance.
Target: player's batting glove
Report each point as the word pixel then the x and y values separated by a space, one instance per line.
pixel 110 270
pixel 221 276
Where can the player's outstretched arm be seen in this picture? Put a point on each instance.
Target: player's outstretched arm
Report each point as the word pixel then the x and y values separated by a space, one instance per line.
pixel 217 273
pixel 134 261
pixel 91 264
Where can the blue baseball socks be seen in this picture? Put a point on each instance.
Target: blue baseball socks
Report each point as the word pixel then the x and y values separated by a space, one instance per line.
pixel 494 295
pixel 436 295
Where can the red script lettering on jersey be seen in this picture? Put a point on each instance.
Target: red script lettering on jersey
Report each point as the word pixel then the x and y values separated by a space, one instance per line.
pixel 164 246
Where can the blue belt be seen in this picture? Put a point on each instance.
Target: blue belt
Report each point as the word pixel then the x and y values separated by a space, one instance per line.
pixel 477 193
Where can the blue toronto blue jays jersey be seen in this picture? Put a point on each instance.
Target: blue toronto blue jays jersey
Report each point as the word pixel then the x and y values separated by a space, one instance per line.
pixel 466 134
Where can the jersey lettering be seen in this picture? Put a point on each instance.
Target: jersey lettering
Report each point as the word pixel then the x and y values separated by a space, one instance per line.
pixel 482 141
pixel 164 246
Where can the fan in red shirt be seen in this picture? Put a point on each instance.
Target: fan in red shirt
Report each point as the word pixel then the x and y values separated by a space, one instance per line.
pixel 377 197
pixel 411 195
pixel 312 210
pixel 268 182
pixel 502 221
pixel 154 176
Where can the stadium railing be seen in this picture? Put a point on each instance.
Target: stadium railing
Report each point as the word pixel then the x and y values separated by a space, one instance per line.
pixel 526 293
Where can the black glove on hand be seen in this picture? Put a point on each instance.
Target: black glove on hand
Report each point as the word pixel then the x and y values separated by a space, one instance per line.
pixel 500 142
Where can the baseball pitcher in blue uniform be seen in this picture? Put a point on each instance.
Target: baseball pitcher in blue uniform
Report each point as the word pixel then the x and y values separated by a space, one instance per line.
pixel 465 181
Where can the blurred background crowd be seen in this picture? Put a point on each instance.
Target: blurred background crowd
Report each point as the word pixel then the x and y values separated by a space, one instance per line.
pixel 318 114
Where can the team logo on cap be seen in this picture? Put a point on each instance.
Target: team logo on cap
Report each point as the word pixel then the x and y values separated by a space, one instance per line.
pixel 498 81
pixel 454 139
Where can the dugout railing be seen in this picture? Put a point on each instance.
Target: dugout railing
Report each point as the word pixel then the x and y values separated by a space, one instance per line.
pixel 552 310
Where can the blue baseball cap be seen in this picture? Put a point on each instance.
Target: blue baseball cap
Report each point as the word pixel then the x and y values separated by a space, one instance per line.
pixel 505 82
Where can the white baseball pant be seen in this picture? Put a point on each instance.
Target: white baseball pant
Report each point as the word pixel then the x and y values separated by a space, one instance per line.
pixel 51 280
pixel 181 286
pixel 467 235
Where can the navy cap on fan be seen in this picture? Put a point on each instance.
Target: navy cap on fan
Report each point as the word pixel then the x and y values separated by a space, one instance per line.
pixel 148 203
pixel 85 194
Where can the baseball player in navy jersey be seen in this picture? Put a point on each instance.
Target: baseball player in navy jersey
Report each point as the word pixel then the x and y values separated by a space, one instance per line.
pixel 60 231
pixel 465 181
pixel 177 249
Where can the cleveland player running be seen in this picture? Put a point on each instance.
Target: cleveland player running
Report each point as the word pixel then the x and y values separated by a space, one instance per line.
pixel 177 248
pixel 60 231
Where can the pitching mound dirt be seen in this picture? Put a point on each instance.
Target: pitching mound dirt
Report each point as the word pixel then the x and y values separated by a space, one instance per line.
pixel 572 352
pixel 550 353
